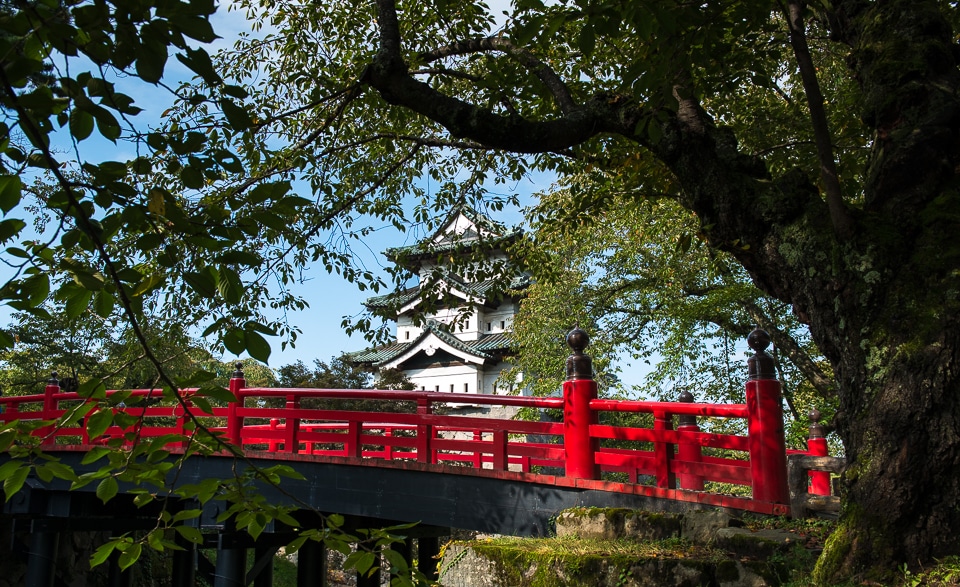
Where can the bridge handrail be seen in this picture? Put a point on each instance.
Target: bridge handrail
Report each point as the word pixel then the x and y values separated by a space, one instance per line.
pixel 670 453
pixel 404 395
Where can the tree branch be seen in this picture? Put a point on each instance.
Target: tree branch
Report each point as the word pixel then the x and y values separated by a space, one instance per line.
pixel 390 76
pixel 842 222
pixel 546 75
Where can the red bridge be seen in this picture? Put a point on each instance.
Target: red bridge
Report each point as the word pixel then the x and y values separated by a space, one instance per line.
pixel 424 464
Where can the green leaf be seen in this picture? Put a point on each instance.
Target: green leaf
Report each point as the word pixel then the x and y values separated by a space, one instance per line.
pixel 186 515
pixel 151 60
pixel 78 413
pixel 202 282
pixel 107 125
pixel 360 560
pixel 98 423
pixel 296 544
pixel 60 471
pixel 103 303
pixel 81 124
pixel 257 346
pixel 78 303
pixel 10 228
pixel 197 28
pixel 203 404
pixel 142 498
pixel 14 474
pixel 198 61
pixel 235 341
pixel 229 285
pixel 107 489
pixel 102 553
pixel 237 116
pixel 10 190
pixel 147 285
pixel 129 556
pixel 94 454
pixel 235 91
pixel 190 533
pixel 218 393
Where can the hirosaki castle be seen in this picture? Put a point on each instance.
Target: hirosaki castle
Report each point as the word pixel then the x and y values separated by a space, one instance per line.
pixel 453 327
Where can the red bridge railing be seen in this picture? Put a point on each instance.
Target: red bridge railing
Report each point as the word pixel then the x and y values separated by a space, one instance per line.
pixel 671 459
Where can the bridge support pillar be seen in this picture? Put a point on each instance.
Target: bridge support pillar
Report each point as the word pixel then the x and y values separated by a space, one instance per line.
pixel 231 562
pixel 371 579
pixel 41 564
pixel 184 563
pixel 428 549
pixel 116 576
pixel 405 549
pixel 312 564
pixel 263 566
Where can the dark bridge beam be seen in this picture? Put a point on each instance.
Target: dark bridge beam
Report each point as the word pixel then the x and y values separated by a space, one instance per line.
pixel 512 504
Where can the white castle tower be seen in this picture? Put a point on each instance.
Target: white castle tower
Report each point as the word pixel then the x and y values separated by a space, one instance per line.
pixel 454 327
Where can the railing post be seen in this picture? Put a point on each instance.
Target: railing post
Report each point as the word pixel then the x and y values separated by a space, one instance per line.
pixel 292 437
pixel 50 408
pixel 425 434
pixel 579 388
pixel 274 424
pixel 478 450
pixel 663 451
pixel 817 446
pixel 234 422
pixel 352 446
pixel 501 461
pixel 689 451
pixel 768 449
pixel 181 413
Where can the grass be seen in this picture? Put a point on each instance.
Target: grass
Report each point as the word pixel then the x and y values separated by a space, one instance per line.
pixel 555 547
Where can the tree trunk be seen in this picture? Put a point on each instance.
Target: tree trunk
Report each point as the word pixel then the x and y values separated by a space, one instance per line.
pixel 901 430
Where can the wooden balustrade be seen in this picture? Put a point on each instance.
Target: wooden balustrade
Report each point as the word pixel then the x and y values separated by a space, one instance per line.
pixel 671 455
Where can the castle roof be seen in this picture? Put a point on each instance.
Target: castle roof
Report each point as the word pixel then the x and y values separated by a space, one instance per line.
pixel 464 229
pixel 477 292
pixel 434 336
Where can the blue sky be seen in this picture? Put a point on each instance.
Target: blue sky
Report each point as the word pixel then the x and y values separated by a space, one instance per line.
pixel 330 297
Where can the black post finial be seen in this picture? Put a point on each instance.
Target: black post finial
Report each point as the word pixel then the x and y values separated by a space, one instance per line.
pixel 238 374
pixel 579 365
pixel 816 428
pixel 760 365
pixel 686 419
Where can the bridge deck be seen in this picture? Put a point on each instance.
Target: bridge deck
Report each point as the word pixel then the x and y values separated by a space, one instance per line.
pixel 501 502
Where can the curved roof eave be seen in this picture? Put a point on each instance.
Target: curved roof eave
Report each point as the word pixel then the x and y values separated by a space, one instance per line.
pixel 446 342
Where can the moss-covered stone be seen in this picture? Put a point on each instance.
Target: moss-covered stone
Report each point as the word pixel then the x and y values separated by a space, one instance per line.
pixel 617 523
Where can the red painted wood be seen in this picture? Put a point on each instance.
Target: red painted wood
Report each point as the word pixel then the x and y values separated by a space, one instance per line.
pixel 690 451
pixel 768 453
pixel 819 480
pixel 663 451
pixel 480 446
pixel 578 417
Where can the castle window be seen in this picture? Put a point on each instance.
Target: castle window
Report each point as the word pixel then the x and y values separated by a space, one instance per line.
pixel 438 389
pixel 503 324
pixel 408 334
pixel 488 327
pixel 451 388
pixel 466 388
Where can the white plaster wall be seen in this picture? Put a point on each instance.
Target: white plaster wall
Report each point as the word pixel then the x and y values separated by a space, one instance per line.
pixel 457 375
